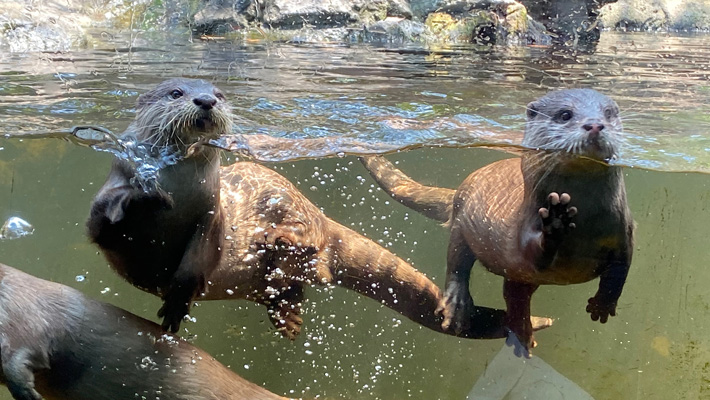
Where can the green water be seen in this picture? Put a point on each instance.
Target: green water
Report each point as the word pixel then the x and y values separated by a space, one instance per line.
pixel 656 347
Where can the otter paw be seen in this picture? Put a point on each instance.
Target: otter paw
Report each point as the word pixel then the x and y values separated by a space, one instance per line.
pixel 456 307
pixel 519 349
pixel 557 216
pixel 286 318
pixel 520 334
pixel 601 310
pixel 173 312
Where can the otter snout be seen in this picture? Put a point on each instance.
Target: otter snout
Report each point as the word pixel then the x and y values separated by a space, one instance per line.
pixel 593 129
pixel 205 101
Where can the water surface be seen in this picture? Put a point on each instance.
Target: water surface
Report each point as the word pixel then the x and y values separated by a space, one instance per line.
pixel 351 347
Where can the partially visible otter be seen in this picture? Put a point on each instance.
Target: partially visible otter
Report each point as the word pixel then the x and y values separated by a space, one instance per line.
pixel 166 237
pixel 56 343
pixel 516 217
pixel 274 241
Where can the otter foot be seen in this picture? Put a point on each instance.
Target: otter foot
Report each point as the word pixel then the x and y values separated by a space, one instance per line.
pixel 286 318
pixel 557 216
pixel 456 307
pixel 284 310
pixel 520 335
pixel 521 350
pixel 601 310
pixel 173 312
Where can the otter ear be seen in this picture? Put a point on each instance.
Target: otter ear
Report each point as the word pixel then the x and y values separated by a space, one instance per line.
pixel 531 110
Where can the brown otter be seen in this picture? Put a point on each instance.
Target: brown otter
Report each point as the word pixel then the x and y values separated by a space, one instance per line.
pixel 274 243
pixel 56 343
pixel 511 217
pixel 165 236
pixel 277 242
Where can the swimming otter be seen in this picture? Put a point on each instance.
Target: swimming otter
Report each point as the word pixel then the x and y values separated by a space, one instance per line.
pixel 275 241
pixel 516 217
pixel 56 343
pixel 166 236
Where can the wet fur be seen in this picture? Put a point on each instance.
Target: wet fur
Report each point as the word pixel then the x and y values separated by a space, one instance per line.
pixel 495 215
pixel 166 239
pixel 265 242
pixel 56 343
pixel 278 242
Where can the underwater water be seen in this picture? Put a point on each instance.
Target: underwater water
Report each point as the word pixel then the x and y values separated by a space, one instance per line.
pixel 656 347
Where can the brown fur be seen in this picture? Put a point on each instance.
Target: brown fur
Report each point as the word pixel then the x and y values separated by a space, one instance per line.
pixel 165 237
pixel 278 242
pixel 503 216
pixel 271 241
pixel 56 343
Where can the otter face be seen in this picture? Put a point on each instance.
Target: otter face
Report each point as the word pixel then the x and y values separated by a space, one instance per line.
pixel 578 121
pixel 182 109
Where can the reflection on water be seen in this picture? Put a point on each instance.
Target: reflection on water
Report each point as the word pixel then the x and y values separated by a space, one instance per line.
pixel 352 347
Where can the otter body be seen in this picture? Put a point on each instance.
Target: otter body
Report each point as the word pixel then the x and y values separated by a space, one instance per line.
pixel 244 232
pixel 56 343
pixel 165 237
pixel 277 242
pixel 516 215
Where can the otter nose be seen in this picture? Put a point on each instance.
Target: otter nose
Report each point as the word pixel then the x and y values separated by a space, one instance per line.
pixel 593 129
pixel 205 101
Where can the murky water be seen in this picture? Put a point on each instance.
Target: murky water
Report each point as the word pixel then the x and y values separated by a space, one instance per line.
pixel 351 347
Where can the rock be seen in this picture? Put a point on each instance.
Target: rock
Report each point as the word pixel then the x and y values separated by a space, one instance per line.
pixel 393 29
pixel 476 27
pixel 219 17
pixel 572 23
pixel 370 11
pixel 46 27
pixel 319 13
pixel 422 8
pixel 655 15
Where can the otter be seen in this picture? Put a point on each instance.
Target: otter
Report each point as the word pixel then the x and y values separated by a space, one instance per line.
pixel 278 242
pixel 557 215
pixel 164 235
pixel 56 343
pixel 272 240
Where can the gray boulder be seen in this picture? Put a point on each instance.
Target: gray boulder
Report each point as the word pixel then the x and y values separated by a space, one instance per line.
pixel 319 13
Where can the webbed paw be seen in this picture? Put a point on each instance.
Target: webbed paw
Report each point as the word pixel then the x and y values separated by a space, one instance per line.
pixel 456 307
pixel 557 216
pixel 286 318
pixel 173 313
pixel 601 310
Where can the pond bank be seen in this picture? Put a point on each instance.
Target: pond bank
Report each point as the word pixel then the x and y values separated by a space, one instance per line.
pixel 50 26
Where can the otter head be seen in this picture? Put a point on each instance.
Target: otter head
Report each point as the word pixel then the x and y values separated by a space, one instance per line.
pixel 182 111
pixel 578 121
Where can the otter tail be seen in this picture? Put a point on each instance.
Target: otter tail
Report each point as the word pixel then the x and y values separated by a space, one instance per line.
pixel 434 202
pixel 362 265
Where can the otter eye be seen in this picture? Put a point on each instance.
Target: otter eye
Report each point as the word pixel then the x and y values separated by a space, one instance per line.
pixel 220 96
pixel 175 94
pixel 564 116
pixel 609 113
